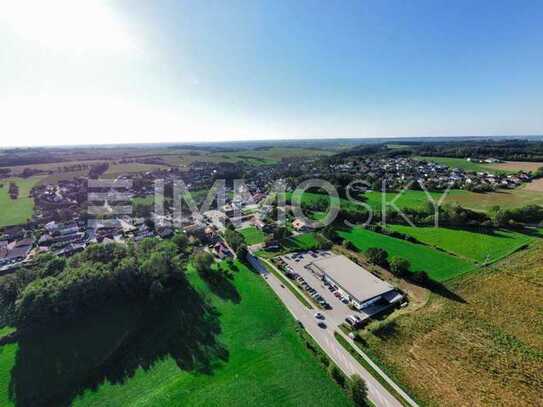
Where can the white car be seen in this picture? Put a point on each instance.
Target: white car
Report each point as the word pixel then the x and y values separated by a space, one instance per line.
pixel 318 315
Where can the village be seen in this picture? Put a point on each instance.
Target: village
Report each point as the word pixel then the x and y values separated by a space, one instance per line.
pixel 65 221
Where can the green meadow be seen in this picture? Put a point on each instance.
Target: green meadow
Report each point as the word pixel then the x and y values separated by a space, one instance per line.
pixel 461 163
pixel 471 244
pixel 252 235
pixel 18 211
pixel 238 347
pixel 440 266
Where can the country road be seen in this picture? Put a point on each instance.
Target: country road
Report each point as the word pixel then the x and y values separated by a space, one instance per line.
pixel 325 338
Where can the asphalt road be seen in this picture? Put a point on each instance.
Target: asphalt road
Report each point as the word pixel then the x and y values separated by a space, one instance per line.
pixel 325 338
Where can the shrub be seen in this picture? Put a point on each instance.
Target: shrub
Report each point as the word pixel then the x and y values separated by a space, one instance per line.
pixel 377 256
pixel 399 266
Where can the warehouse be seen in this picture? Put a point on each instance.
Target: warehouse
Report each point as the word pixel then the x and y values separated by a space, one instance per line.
pixel 354 282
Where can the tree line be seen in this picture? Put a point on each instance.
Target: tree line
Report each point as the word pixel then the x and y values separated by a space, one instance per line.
pixel 56 289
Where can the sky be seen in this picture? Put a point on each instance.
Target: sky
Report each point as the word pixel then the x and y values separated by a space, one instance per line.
pixel 136 71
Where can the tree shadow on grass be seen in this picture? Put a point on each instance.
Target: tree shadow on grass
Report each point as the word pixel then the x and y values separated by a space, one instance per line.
pixel 440 289
pixel 221 285
pixel 53 367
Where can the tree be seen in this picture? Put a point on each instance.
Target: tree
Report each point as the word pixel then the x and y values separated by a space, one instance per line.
pixel 399 266
pixel 337 375
pixel 234 239
pixel 377 256
pixel 203 262
pixel 280 233
pixel 420 277
pixel 358 391
pixel 348 244
pixel 242 252
pixel 181 241
pixel 142 210
pixel 322 242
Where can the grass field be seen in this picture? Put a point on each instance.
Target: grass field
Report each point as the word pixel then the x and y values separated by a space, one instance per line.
pixel 18 211
pixel 473 245
pixel 301 242
pixel 528 194
pixel 485 349
pixel 440 266
pixel 304 241
pixel 506 199
pixel 461 163
pixel 264 362
pixel 252 235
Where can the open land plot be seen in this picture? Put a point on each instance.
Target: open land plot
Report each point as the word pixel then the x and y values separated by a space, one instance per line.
pixel 472 244
pixel 265 156
pixel 440 266
pixel 252 235
pixel 527 194
pixel 517 166
pixel 264 362
pixel 535 186
pixel 304 241
pixel 483 348
pixel 16 211
pixel 297 243
pixel 116 170
pixel 515 198
pixel 461 163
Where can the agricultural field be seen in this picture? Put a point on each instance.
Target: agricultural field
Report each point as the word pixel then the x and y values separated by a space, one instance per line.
pixel 517 166
pixel 408 199
pixel 461 163
pixel 527 194
pixel 266 156
pixel 258 358
pixel 252 235
pixel 439 265
pixel 18 211
pixel 483 346
pixel 473 245
pixel 116 170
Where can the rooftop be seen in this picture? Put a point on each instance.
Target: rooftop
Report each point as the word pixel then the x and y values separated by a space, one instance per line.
pixel 357 281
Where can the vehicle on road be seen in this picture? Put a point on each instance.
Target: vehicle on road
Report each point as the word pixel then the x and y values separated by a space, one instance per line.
pixel 318 315
pixel 322 325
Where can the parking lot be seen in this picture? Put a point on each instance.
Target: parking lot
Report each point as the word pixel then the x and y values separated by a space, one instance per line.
pixel 296 263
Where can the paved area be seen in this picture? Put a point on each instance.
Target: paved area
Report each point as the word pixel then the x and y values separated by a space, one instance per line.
pixel 325 338
pixel 298 262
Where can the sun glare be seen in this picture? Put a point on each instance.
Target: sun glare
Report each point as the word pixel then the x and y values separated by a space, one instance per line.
pixel 78 26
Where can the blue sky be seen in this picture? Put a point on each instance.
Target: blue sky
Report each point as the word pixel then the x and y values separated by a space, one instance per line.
pixel 140 71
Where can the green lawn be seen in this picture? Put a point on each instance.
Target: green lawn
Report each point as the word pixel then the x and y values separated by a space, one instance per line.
pixel 252 235
pixel 18 211
pixel 264 361
pixel 301 242
pixel 440 266
pixel 481 247
pixel 305 241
